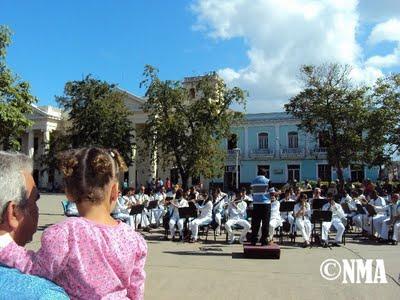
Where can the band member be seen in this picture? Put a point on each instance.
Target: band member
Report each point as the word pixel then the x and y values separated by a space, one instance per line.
pixel 237 216
pixel 220 201
pixel 122 208
pixel 159 212
pixel 302 213
pixel 261 207
pixel 142 198
pixel 376 221
pixel 352 202
pixel 287 216
pixel 337 216
pixel 177 202
pixel 393 210
pixel 205 217
pixel 275 220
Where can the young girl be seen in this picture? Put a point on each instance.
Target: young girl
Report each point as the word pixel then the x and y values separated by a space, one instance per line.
pixel 93 256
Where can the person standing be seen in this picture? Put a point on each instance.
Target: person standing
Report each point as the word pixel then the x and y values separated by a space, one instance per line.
pixel 261 208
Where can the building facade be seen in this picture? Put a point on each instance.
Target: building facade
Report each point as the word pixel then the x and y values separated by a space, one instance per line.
pixel 274 142
pixel 271 141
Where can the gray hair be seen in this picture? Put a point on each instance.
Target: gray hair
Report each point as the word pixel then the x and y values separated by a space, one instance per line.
pixel 12 180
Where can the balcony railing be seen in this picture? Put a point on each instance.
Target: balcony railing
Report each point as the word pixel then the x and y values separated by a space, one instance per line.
pixel 262 153
pixel 231 154
pixel 319 152
pixel 293 152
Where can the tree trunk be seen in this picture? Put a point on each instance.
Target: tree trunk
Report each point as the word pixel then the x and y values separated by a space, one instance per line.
pixel 185 179
pixel 339 172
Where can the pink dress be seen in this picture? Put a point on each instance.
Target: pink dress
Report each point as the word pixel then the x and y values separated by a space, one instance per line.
pixel 89 260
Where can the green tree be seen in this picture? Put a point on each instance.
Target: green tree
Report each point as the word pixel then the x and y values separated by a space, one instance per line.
pixel 98 116
pixel 15 99
pixel 187 132
pixel 331 105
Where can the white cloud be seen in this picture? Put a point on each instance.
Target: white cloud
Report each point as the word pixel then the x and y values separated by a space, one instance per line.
pixel 282 35
pixel 385 31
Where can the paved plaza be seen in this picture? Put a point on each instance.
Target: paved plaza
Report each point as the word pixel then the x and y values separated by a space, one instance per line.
pixel 217 271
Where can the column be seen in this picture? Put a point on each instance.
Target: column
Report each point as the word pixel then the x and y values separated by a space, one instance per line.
pixel 246 143
pixel 277 148
pixel 132 169
pixel 45 175
pixel 31 149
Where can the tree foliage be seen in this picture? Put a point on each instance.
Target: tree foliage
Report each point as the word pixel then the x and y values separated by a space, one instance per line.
pixel 97 115
pixel 331 105
pixel 15 99
pixel 187 132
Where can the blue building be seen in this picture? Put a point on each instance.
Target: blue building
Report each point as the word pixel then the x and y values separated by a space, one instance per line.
pixel 274 142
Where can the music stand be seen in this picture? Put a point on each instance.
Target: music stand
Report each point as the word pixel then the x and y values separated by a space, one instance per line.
pixel 346 208
pixel 371 213
pixel 187 213
pixel 286 206
pixel 152 205
pixel 360 209
pixel 309 194
pixel 320 216
pixel 318 203
pixel 136 210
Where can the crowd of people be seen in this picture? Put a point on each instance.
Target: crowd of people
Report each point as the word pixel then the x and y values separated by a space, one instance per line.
pixel 100 253
pixel 367 209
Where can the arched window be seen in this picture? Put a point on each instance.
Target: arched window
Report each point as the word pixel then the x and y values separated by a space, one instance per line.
pixel 192 93
pixel 232 142
pixel 293 139
pixel 263 140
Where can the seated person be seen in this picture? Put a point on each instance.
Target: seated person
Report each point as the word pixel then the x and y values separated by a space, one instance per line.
pixel 302 213
pixel 275 220
pixel 177 202
pixel 237 216
pixel 122 209
pixel 158 213
pixel 71 210
pixel 337 216
pixel 220 199
pixel 393 219
pixel 204 218
pixel 287 216
pixel 18 222
pixel 373 225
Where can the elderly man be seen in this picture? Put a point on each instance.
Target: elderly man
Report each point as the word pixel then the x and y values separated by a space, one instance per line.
pixel 18 221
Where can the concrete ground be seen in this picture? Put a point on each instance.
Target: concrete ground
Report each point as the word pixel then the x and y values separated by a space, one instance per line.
pixel 217 271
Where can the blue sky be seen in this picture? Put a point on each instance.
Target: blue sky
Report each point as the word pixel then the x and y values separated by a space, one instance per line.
pixel 55 42
pixel 58 41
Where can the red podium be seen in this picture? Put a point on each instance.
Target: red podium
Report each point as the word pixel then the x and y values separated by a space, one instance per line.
pixel 266 252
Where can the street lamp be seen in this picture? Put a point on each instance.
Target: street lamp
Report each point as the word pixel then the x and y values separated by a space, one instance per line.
pixel 237 152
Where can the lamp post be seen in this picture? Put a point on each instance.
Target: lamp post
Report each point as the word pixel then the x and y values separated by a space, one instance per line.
pixel 237 151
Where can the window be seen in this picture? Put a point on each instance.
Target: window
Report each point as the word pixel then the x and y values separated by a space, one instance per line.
pixel 192 93
pixel 232 142
pixel 293 138
pixel 323 139
pixel 265 167
pixel 293 172
pixel 357 173
pixel 324 172
pixel 35 144
pixel 263 140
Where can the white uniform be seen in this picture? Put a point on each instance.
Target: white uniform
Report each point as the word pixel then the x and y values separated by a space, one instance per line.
pixel 237 216
pixel 158 213
pixel 303 222
pixel 287 216
pixel 218 209
pixel 275 219
pixel 175 217
pixel 143 218
pixel 337 216
pixel 205 218
pixel 352 204
pixel 393 212
pixel 377 220
pixel 121 211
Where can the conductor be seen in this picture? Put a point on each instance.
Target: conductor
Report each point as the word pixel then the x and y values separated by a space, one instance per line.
pixel 261 207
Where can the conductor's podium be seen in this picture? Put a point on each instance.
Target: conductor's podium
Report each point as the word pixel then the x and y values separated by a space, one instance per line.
pixel 267 252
